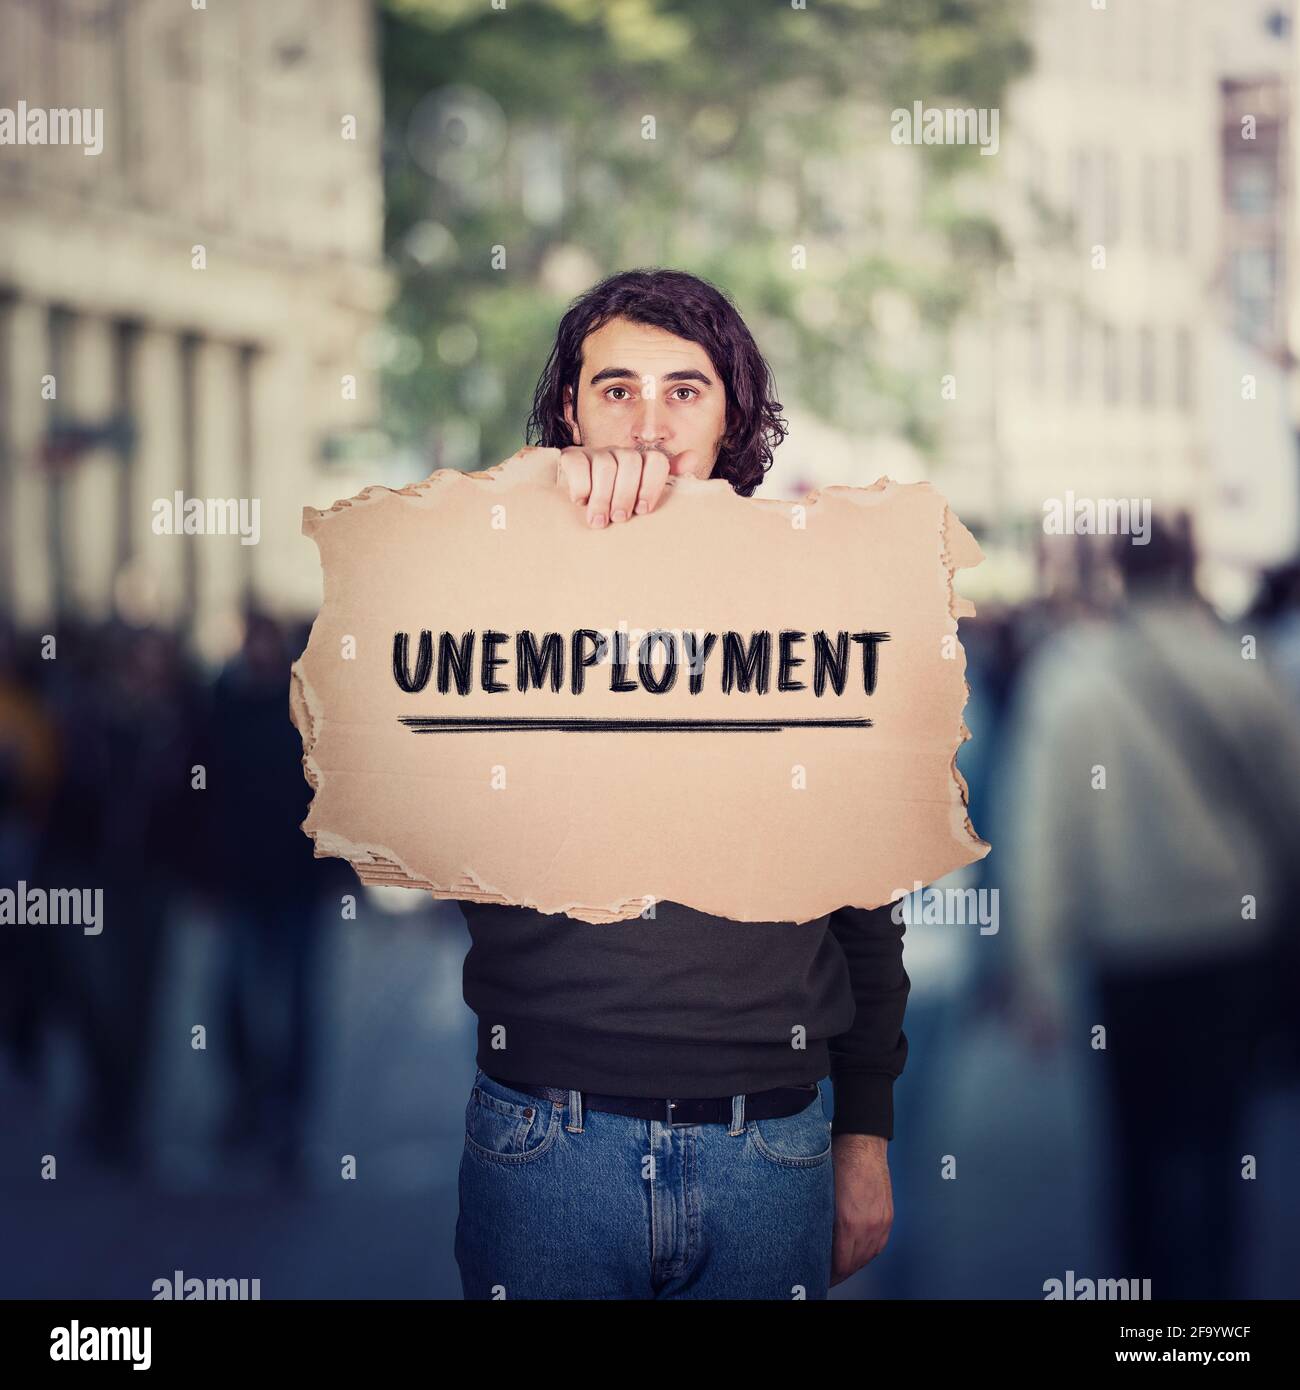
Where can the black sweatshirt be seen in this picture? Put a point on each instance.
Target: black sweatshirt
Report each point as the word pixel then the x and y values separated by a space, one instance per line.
pixel 686 1004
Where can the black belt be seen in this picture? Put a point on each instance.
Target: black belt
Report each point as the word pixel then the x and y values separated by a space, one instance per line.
pixel 709 1110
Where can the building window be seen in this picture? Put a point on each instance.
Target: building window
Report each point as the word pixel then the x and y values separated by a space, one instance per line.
pixel 1151 201
pixel 1075 357
pixel 1252 284
pixel 1184 369
pixel 1252 185
pixel 1112 377
pixel 1110 198
pixel 1081 193
pixel 1182 205
pixel 1147 367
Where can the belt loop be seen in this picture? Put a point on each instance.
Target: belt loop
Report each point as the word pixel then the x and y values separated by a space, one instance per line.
pixel 574 1125
pixel 737 1115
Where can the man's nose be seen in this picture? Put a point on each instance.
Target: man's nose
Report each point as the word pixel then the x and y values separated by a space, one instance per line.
pixel 649 429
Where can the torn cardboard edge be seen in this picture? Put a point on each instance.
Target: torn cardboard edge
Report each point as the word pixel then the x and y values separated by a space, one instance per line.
pixel 378 865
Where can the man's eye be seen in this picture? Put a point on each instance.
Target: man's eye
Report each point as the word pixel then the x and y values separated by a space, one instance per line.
pixel 612 389
pixel 691 392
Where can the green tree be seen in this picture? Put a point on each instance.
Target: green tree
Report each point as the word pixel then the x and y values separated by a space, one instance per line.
pixel 524 129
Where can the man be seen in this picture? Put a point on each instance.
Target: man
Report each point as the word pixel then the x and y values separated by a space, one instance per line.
pixel 647 1120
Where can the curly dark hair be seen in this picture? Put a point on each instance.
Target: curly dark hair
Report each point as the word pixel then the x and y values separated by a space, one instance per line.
pixel 692 309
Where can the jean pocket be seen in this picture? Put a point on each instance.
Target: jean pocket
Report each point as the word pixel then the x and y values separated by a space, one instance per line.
pixel 503 1125
pixel 802 1140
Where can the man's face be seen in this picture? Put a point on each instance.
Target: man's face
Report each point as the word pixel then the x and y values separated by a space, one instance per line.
pixel 641 388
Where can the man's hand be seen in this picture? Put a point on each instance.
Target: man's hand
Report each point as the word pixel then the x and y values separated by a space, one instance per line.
pixel 616 484
pixel 864 1202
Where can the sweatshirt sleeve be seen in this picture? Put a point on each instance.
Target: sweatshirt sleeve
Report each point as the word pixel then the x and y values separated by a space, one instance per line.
pixel 868 1058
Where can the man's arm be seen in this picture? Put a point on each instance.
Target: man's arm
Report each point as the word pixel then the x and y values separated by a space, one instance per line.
pixel 865 1062
pixel 868 1058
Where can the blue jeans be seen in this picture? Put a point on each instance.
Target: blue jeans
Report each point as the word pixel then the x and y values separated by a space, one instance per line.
pixel 557 1201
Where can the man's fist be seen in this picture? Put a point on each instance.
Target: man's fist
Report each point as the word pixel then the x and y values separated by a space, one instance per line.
pixel 864 1202
pixel 616 484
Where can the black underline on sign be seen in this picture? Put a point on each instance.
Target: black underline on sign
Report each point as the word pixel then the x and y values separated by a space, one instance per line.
pixel 478 724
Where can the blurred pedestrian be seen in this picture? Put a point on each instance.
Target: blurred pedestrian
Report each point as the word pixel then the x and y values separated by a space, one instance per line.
pixel 1151 760
pixel 269 890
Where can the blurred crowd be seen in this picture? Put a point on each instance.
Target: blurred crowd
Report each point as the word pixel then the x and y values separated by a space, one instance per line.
pixel 126 766
pixel 1135 764
pixel 1143 805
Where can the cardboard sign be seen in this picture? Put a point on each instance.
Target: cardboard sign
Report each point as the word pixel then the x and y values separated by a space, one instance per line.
pixel 748 706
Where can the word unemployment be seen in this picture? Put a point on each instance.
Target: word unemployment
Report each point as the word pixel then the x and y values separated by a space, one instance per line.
pixel 742 663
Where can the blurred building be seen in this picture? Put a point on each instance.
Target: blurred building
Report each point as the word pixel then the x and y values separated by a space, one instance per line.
pixel 185 310
pixel 1253 485
pixel 1148 234
pixel 1140 343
